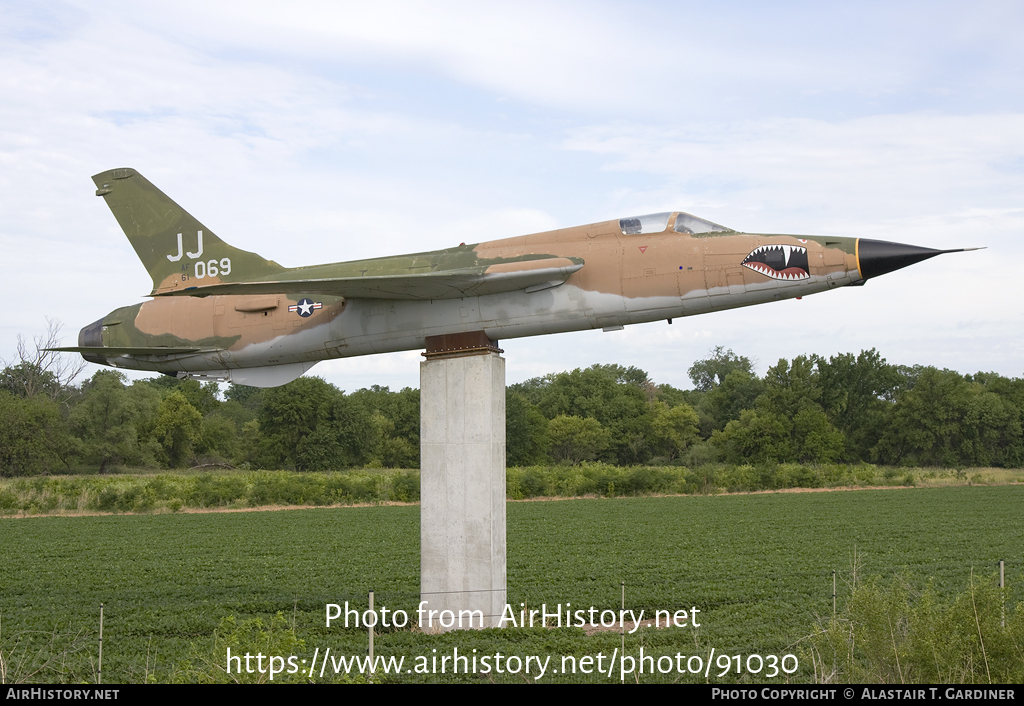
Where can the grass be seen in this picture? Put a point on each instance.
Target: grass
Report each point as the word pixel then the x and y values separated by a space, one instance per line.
pixel 172 492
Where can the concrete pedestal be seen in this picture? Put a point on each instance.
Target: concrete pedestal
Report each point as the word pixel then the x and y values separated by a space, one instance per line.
pixel 462 490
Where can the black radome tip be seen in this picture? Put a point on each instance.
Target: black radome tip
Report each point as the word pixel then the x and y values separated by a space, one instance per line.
pixel 879 257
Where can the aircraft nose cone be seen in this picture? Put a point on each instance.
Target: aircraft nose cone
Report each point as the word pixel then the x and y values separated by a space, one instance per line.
pixel 879 257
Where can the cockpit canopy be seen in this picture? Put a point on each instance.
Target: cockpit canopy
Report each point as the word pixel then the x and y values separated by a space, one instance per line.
pixel 658 223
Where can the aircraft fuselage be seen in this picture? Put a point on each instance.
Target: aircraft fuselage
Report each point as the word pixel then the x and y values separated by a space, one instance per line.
pixel 223 313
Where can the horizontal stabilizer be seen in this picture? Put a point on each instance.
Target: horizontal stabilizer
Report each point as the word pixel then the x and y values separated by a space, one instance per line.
pixel 446 284
pixel 113 352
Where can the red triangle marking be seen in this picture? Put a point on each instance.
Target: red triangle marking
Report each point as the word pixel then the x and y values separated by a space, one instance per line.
pixel 643 248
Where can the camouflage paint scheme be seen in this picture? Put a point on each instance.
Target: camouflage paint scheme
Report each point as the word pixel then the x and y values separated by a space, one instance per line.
pixel 222 313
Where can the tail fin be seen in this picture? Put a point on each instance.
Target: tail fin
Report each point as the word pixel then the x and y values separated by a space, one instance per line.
pixel 178 251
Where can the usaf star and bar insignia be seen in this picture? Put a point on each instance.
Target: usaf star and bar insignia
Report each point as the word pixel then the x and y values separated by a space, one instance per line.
pixel 306 307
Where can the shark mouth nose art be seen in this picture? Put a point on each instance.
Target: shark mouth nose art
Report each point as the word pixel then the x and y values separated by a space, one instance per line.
pixel 785 262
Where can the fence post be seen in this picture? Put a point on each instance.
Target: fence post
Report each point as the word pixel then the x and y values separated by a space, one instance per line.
pixel 99 661
pixel 369 629
pixel 1002 593
pixel 833 594
pixel 621 614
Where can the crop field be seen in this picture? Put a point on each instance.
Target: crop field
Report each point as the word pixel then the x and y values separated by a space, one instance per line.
pixel 758 567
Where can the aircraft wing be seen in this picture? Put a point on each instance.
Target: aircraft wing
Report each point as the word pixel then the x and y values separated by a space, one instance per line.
pixel 529 275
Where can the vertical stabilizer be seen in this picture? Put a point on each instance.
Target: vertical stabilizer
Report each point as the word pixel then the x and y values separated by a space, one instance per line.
pixel 177 250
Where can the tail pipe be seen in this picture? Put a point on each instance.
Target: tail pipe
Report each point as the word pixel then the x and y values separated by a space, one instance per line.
pixel 92 337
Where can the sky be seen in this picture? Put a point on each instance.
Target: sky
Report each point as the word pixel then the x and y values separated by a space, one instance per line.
pixel 315 132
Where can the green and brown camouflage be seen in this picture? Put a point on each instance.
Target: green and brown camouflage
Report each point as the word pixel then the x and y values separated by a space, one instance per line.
pixel 219 312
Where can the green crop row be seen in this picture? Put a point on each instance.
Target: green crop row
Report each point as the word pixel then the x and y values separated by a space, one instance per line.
pixel 759 567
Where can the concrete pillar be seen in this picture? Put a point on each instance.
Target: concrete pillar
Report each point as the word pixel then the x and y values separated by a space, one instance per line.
pixel 462 484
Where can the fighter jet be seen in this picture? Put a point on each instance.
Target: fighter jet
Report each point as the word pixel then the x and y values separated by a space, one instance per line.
pixel 221 313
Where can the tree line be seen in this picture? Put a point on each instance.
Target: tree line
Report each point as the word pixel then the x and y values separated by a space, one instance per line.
pixel 844 409
pixel 847 408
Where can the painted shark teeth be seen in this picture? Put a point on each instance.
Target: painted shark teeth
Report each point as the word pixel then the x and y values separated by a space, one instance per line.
pixel 782 262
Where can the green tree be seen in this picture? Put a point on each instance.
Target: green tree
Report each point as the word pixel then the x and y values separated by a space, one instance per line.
pixel 219 440
pixel 177 427
pixel 786 422
pixel 815 439
pixel 114 421
pixel 26 379
pixel 726 401
pixel 397 424
pixel 43 370
pixel 33 436
pixel 526 431
pixel 674 429
pixel 389 450
pixel 309 424
pixel 758 436
pixel 613 395
pixel 673 396
pixel 576 439
pixel 251 398
pixel 289 414
pixel 712 371
pixel 856 394
pixel 341 437
pixel 946 420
